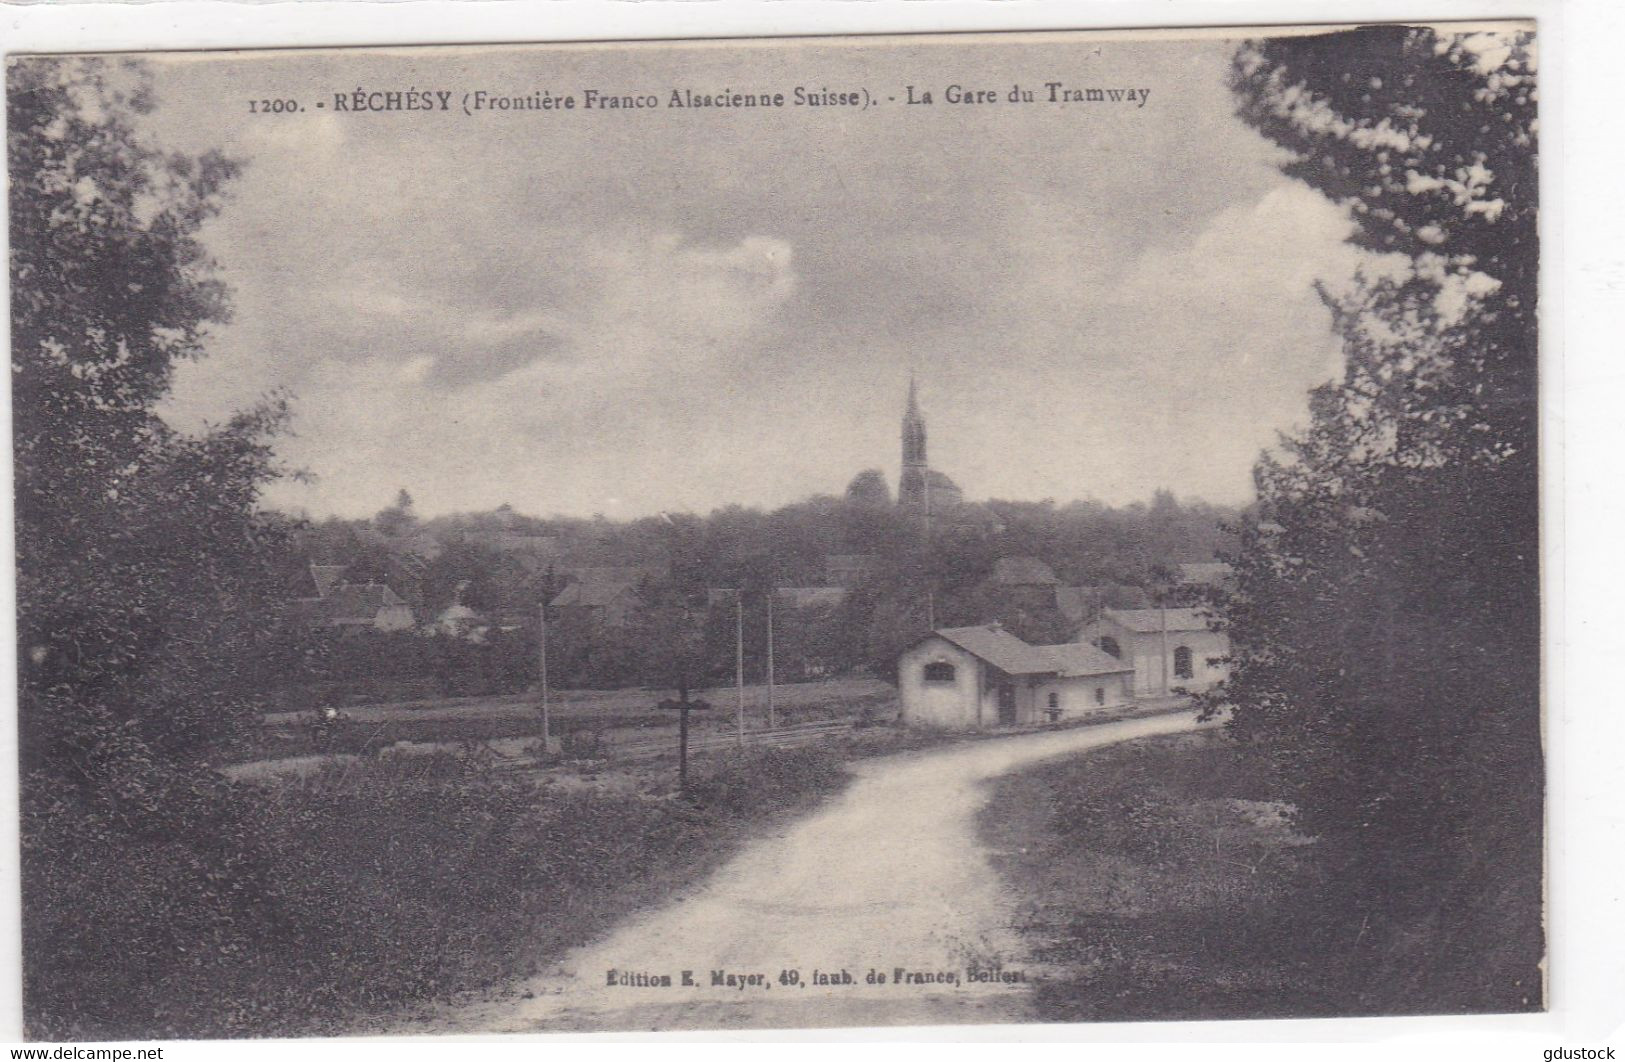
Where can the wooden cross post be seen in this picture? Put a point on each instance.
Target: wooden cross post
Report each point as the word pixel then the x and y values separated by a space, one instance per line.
pixel 682 705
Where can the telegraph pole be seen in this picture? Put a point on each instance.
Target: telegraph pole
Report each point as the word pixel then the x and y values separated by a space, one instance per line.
pixel 770 719
pixel 1163 609
pixel 541 640
pixel 739 659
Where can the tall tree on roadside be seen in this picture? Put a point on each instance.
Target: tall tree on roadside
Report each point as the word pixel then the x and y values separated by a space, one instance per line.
pixel 145 573
pixel 1385 623
pixel 143 565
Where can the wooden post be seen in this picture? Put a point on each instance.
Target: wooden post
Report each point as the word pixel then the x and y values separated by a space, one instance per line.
pixel 682 706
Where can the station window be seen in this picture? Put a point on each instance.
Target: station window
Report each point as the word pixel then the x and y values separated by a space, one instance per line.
pixel 1054 699
pixel 939 672
pixel 1108 644
pixel 1182 662
pixel 1100 695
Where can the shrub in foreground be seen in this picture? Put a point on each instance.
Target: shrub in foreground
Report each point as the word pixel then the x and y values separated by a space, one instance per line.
pixel 358 890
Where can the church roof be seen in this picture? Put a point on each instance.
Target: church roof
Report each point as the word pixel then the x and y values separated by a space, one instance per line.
pixel 919 486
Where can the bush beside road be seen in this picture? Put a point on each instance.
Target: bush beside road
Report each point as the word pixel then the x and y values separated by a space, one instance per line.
pixel 1162 879
pixel 366 888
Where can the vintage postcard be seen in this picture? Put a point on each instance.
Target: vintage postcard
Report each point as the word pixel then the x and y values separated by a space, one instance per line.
pixel 778 533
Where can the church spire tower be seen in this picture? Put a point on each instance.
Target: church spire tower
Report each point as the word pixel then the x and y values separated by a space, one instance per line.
pixel 919 488
pixel 913 432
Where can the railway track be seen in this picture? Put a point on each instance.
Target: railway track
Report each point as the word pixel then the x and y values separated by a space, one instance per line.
pixel 647 748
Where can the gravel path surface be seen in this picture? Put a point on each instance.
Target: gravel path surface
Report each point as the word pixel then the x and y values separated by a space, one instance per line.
pixel 889 877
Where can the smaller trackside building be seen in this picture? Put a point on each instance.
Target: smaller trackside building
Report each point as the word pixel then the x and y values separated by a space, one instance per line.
pixel 973 678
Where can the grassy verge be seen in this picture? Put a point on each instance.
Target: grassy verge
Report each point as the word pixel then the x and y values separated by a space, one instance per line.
pixel 1154 877
pixel 1159 881
pixel 318 903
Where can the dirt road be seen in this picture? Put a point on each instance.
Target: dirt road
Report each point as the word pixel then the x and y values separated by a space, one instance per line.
pixel 889 879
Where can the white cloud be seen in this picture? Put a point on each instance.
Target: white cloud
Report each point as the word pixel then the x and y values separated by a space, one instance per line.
pixel 1276 247
pixel 658 313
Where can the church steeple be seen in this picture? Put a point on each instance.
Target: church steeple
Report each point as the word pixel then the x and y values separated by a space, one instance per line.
pixel 919 488
pixel 913 430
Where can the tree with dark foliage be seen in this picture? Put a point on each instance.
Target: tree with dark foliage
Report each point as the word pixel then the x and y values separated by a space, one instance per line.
pixel 139 549
pixel 145 570
pixel 1385 623
pixel 400 518
pixel 869 488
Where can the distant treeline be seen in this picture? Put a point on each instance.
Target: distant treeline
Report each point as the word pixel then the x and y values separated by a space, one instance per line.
pixel 503 565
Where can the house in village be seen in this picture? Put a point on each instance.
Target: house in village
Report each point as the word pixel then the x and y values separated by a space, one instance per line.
pixel 357 606
pixel 325 599
pixel 1169 648
pixel 597 603
pixel 971 678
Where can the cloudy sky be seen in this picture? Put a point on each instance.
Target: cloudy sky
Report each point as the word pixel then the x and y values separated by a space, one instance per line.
pixel 675 310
